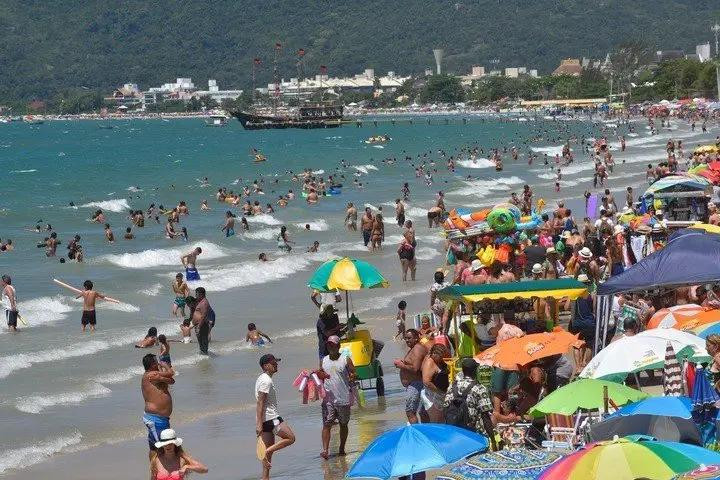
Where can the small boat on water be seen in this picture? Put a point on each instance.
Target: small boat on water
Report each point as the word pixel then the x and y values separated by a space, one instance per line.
pixel 375 139
pixel 216 121
pixel 32 120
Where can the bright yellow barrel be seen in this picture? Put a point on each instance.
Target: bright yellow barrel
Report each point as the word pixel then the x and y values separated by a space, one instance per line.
pixel 360 348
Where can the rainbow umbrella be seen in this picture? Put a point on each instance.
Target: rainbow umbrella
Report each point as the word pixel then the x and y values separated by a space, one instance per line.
pixel 630 458
pixel 709 472
pixel 346 274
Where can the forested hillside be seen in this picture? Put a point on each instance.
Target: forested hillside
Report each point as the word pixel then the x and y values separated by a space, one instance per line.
pixel 50 46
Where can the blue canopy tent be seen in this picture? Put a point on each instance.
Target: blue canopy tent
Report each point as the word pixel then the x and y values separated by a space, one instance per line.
pixel 689 258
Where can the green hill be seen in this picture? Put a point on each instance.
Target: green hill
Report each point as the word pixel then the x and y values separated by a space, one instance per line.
pixel 50 46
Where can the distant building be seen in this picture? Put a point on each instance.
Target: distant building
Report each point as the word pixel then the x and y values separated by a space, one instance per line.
pixel 665 55
pixel 512 72
pixel 533 73
pixel 703 52
pixel 477 71
pixel 569 66
pixel 363 83
pixel 216 94
pixel 129 95
pixel 182 89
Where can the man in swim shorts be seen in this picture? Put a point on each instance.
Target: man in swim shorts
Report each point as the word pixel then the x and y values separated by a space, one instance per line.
pixel 229 227
pixel 181 292
pixel 158 401
pixel 7 292
pixel 189 260
pixel 366 225
pixel 89 297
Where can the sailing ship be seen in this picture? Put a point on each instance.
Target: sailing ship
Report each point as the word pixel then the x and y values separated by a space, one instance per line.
pixel 306 116
pixel 277 115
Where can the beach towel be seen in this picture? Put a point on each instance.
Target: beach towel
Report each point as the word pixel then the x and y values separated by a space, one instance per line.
pixel 591 206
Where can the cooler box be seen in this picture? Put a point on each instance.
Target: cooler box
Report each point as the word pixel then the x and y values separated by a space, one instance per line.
pixel 360 348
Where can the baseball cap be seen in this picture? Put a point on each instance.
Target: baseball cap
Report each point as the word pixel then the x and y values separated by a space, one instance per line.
pixel 476 265
pixel 537 268
pixel 469 362
pixel 268 358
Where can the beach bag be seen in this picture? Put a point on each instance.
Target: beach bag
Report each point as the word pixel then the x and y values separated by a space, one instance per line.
pixel 457 412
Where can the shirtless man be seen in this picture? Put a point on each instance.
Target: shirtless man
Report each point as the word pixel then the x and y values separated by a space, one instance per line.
pixel 351 215
pixel 399 213
pixel 202 320
pixel 10 302
pixel 189 260
pixel 312 197
pixel 170 230
pixel 51 245
pixel 109 234
pixel 410 375
pixel 229 227
pixel 366 225
pixel 89 297
pixel 181 291
pixel 158 401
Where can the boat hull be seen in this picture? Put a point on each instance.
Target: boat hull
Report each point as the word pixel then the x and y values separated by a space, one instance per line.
pixel 263 122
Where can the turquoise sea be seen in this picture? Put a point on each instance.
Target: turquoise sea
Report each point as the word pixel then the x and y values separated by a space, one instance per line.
pixel 70 401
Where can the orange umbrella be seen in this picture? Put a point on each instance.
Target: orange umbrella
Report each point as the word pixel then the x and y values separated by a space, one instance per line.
pixel 520 351
pixel 669 317
pixel 698 319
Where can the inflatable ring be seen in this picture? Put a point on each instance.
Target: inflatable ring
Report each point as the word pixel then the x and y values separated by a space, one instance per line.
pixel 501 220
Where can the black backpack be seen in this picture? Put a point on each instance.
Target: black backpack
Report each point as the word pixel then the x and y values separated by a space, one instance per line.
pixel 457 413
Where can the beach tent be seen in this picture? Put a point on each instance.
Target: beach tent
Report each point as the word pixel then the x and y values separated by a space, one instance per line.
pixel 688 259
pixel 678 186
pixel 560 288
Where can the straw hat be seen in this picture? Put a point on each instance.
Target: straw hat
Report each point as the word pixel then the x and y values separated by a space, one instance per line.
pixel 658 212
pixel 537 268
pixel 167 437
pixel 583 278
pixel 565 234
pixel 476 265
pixel 550 250
pixel 586 253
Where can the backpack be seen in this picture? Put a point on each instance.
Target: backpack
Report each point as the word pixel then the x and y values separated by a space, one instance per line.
pixel 457 413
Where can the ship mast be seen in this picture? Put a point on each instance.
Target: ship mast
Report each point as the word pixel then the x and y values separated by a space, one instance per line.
pixel 300 65
pixel 256 63
pixel 276 100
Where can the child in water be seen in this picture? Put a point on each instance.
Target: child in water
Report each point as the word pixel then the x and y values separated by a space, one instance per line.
pixel 164 356
pixel 186 329
pixel 255 336
pixel 400 319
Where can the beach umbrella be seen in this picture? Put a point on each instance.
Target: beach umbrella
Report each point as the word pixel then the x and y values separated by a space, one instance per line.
pixel 704 397
pixel 416 448
pixel 668 317
pixel 703 472
pixel 665 418
pixel 672 374
pixel 705 226
pixel 585 394
pixel 346 274
pixel 515 352
pixel 629 458
pixel 508 464
pixel 644 351
pixel 704 330
pixel 698 319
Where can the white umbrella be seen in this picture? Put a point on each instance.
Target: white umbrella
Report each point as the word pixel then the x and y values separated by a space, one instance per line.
pixel 644 351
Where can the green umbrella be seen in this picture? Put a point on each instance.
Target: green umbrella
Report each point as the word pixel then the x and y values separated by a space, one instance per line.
pixel 346 274
pixel 585 394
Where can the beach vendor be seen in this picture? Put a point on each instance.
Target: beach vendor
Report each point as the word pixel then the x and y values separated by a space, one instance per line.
pixel 189 261
pixel 339 373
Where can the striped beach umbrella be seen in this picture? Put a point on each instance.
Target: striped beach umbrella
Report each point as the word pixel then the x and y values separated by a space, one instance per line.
pixel 630 458
pixel 668 317
pixel 672 374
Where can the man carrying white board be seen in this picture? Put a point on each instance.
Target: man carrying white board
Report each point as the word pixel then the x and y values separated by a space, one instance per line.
pixel 89 297
pixel 8 293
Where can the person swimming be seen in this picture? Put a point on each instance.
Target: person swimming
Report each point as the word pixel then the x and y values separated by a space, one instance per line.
pixel 255 336
pixel 149 340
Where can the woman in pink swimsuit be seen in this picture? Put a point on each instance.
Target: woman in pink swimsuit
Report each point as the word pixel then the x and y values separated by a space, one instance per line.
pixel 170 461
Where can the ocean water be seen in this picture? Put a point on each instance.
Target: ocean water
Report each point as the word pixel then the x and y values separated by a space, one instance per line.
pixel 62 392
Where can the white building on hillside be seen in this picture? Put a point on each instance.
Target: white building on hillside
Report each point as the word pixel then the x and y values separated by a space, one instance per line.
pixel 216 94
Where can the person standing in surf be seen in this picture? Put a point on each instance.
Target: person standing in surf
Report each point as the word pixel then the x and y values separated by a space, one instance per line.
pixel 181 290
pixel 9 295
pixel 366 225
pixel 351 215
pixel 189 261
pixel 399 213
pixel 158 401
pixel 203 319
pixel 229 226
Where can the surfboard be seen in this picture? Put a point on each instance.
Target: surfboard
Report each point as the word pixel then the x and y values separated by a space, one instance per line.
pixel 591 206
pixel 79 292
